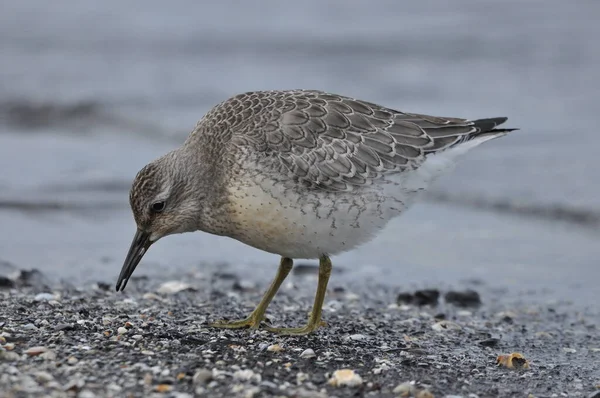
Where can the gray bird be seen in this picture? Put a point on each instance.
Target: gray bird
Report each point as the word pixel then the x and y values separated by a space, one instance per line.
pixel 301 174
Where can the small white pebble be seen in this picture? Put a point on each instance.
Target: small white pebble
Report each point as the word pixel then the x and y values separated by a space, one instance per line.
pixel 246 375
pixel 357 337
pixel 152 296
pixel 72 360
pixel 44 297
pixel 48 355
pixel 308 353
pixel 122 330
pixel 173 287
pixel 148 352
pixel 43 377
pixel 29 326
pixel 86 394
pixel 569 350
pixel 345 377
pixel 404 389
pixel 444 326
pixel 137 337
pixel 263 346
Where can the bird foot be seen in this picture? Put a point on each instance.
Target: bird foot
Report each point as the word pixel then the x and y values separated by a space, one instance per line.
pixel 251 322
pixel 302 331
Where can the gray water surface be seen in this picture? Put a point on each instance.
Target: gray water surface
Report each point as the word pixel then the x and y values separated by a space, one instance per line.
pixel 92 91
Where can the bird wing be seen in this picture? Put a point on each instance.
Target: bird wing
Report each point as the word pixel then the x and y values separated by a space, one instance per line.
pixel 337 143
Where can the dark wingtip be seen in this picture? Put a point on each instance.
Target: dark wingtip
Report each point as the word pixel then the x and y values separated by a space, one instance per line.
pixel 489 125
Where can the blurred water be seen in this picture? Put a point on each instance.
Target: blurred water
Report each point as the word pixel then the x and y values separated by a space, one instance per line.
pixel 91 91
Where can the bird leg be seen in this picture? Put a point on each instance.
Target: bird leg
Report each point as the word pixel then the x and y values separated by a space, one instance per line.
pixel 314 321
pixel 256 317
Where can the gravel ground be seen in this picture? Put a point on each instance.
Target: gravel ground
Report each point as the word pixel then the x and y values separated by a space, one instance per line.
pixel 153 340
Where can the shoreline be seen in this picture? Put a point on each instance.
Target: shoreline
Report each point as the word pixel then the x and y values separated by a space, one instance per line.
pixel 153 340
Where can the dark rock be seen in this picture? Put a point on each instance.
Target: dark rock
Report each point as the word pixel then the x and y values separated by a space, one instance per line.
pixel 225 275
pixel 467 298
pixel 427 297
pixel 404 298
pixel 491 342
pixel 305 269
pixel 6 283
pixel 420 297
pixel 103 286
pixel 32 278
pixel 64 326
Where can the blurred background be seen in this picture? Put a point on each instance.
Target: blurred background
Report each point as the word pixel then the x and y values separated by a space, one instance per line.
pixel 92 91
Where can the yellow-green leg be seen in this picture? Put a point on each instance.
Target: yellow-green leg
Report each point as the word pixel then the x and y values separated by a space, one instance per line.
pixel 314 321
pixel 256 317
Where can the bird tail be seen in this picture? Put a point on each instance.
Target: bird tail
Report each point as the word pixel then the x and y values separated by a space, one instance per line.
pixel 487 127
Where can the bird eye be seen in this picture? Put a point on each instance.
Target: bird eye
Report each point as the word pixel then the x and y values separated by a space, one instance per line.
pixel 158 207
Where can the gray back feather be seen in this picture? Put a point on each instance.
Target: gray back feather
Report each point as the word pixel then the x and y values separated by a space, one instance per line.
pixel 331 141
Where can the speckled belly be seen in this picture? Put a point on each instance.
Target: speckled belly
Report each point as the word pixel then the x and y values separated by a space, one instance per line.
pixel 306 224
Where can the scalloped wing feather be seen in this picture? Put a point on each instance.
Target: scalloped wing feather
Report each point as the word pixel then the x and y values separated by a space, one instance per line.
pixel 336 142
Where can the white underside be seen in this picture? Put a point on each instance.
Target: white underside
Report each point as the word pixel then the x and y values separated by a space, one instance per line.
pixel 308 227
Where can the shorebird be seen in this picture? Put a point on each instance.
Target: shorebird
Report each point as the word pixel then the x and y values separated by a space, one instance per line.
pixel 301 174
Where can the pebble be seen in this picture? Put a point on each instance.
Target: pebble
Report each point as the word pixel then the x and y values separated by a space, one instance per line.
pixel 357 337
pixel 308 353
pixel 33 351
pixel 246 375
pixel 122 330
pixel 173 287
pixel 420 297
pixel 163 387
pixel 345 377
pixel 491 342
pixel 29 326
pixel 86 394
pixel 74 385
pixel 43 377
pixel 182 395
pixel 9 356
pixel 274 348
pixel 263 346
pixel 569 350
pixel 443 326
pixel 152 296
pixel 424 394
pixel 137 337
pixel 466 298
pixel 304 393
pixel 202 376
pixel 72 360
pixel 44 297
pixel 404 389
pixel 11 346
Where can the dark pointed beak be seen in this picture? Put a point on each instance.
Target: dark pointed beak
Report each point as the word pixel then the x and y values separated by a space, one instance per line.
pixel 141 243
